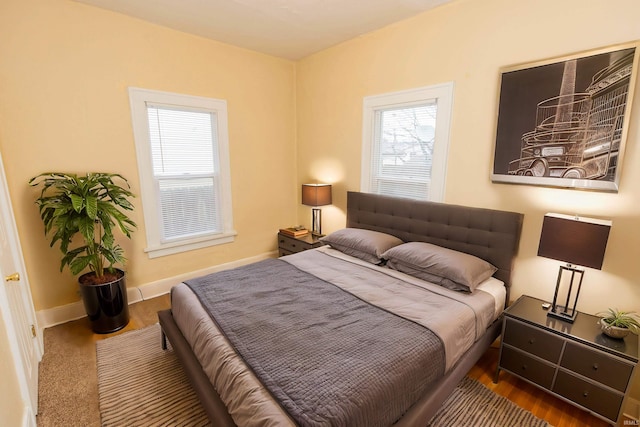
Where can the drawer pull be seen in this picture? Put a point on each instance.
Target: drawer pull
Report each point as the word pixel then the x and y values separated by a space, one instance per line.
pixel 524 367
pixel 585 394
pixel 595 366
pixel 532 341
pixel 281 240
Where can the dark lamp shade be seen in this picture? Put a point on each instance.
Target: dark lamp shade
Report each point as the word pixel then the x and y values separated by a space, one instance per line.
pixel 574 240
pixel 316 194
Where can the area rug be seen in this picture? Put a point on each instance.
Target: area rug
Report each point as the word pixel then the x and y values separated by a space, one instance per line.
pixel 473 404
pixel 140 384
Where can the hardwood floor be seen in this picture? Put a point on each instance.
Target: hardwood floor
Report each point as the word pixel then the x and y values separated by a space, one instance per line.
pixel 68 380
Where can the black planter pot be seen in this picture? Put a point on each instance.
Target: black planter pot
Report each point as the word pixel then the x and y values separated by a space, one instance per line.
pixel 106 303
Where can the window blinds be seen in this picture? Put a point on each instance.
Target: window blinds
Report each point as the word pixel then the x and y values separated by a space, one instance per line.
pixel 402 151
pixel 185 168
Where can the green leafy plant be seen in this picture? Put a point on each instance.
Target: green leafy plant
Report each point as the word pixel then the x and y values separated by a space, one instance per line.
pixel 90 206
pixel 622 319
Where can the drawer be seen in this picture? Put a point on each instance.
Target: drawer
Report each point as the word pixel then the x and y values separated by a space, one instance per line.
pixel 533 340
pixel 283 252
pixel 291 245
pixel 597 365
pixel 527 367
pixel 604 402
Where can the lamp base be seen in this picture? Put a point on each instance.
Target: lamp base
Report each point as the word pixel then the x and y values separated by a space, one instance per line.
pixel 567 313
pixel 563 315
pixel 316 222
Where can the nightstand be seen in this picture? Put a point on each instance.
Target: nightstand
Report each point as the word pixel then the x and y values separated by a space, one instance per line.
pixel 289 245
pixel 573 361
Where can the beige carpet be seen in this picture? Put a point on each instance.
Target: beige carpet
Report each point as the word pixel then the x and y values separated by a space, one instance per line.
pixel 67 384
pixel 141 385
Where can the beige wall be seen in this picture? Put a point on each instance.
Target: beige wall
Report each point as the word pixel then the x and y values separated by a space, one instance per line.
pixel 65 68
pixel 467 42
pixel 64 72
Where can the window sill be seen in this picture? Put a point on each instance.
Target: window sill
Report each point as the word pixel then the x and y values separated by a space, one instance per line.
pixel 165 249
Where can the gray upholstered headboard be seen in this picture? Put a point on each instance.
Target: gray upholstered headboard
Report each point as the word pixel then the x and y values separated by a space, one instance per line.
pixel 486 233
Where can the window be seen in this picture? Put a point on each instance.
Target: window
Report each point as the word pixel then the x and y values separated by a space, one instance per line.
pixel 182 148
pixel 405 142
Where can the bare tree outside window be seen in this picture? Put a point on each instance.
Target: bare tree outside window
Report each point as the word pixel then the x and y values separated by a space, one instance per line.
pixel 406 143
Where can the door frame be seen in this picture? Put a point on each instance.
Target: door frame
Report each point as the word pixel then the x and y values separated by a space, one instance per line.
pixel 8 219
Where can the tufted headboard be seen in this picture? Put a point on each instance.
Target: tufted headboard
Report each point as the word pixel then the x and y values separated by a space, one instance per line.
pixel 486 233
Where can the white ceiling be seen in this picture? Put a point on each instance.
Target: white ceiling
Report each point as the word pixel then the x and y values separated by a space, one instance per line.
pixel 289 29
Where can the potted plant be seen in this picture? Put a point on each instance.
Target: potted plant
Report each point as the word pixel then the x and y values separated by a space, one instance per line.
pixel 85 210
pixel 617 323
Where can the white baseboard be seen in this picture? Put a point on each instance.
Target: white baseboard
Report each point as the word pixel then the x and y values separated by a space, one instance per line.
pixel 28 418
pixel 632 411
pixel 68 312
pixel 74 311
pixel 60 314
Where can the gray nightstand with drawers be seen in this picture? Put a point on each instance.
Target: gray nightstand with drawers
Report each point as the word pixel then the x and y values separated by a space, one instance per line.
pixel 289 245
pixel 573 361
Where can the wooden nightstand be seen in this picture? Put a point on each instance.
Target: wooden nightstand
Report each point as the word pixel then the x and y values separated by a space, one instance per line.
pixel 573 361
pixel 289 245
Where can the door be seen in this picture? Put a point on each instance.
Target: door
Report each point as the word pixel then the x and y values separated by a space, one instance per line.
pixel 16 306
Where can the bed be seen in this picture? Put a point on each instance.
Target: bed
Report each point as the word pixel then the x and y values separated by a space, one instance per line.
pixel 421 361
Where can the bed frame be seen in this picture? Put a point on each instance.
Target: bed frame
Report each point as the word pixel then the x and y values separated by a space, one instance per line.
pixel 488 234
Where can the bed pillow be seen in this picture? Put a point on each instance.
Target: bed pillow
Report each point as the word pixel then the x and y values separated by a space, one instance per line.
pixel 452 269
pixel 367 245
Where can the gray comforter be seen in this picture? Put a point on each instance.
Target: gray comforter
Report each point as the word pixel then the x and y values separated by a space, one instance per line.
pixel 327 356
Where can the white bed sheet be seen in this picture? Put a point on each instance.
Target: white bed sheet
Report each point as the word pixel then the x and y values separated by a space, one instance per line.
pixel 492 286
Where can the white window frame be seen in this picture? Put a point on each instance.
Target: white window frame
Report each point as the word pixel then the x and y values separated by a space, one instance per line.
pixel 156 247
pixel 443 93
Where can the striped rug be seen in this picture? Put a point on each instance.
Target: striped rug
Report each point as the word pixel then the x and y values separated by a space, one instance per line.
pixel 472 404
pixel 141 385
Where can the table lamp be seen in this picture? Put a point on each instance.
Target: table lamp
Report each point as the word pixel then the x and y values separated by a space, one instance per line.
pixel 316 195
pixel 578 241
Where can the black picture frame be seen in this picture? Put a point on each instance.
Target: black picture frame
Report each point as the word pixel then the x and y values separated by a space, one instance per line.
pixel 563 122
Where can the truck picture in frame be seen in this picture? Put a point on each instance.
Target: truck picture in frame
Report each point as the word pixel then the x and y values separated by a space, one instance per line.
pixel 563 122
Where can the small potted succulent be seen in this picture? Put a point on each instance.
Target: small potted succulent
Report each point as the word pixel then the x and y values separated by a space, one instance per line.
pixel 84 211
pixel 617 323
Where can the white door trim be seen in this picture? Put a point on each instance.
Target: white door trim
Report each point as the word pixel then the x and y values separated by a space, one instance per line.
pixel 27 383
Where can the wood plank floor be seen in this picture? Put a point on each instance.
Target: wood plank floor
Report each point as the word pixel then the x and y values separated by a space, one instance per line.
pixel 68 376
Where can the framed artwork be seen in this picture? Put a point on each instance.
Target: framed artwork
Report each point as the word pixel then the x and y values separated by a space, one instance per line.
pixel 563 122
